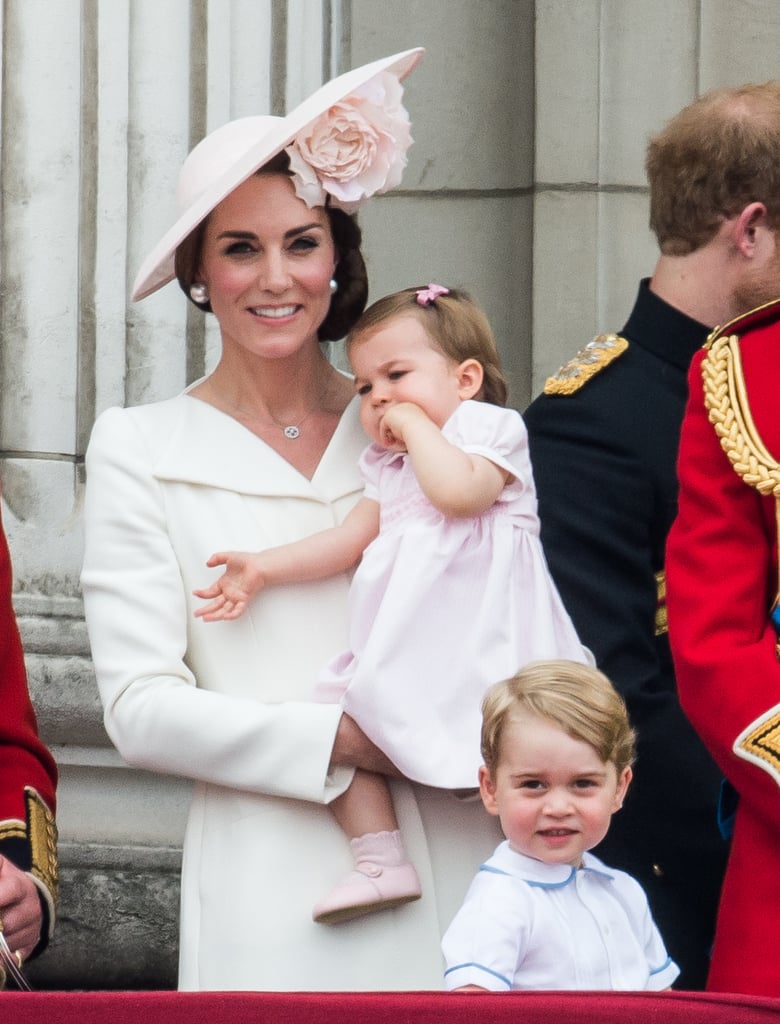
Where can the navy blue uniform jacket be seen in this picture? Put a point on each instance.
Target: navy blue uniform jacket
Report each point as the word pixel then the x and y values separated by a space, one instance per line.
pixel 604 462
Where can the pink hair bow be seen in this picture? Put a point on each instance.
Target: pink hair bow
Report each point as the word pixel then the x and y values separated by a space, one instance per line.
pixel 425 296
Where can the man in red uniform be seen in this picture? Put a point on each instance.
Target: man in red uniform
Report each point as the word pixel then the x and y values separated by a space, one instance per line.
pixel 722 589
pixel 28 776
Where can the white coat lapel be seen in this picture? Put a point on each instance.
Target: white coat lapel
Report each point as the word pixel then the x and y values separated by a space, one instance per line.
pixel 206 447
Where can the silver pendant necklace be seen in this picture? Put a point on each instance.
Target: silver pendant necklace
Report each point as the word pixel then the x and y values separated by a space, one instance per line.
pixel 291 431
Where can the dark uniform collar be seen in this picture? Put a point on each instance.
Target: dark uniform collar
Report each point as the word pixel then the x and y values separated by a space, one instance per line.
pixel 663 330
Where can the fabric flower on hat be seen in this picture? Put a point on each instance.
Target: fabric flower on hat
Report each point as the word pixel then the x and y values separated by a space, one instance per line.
pixel 356 149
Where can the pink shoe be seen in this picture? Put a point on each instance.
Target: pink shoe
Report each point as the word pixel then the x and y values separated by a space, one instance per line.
pixel 368 888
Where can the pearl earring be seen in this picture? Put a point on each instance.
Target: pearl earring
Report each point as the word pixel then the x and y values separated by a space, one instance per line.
pixel 199 293
pixel 334 286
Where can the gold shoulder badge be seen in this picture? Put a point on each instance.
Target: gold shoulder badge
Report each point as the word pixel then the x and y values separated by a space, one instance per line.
pixel 586 364
pixel 760 743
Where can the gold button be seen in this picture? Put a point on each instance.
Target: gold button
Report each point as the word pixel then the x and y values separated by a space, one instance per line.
pixel 658 871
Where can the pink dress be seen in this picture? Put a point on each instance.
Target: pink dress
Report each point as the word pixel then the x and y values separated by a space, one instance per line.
pixel 441 608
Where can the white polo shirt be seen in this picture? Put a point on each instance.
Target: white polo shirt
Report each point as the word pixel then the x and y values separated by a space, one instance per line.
pixel 529 925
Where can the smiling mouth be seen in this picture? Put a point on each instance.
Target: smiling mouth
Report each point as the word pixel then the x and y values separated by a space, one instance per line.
pixel 557 833
pixel 273 312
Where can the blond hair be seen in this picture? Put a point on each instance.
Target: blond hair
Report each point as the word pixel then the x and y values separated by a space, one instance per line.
pixel 454 322
pixel 577 698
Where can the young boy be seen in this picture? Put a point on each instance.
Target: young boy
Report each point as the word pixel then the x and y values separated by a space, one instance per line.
pixel 543 913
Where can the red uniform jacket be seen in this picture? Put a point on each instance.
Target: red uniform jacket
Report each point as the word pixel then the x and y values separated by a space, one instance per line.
pixel 722 581
pixel 28 774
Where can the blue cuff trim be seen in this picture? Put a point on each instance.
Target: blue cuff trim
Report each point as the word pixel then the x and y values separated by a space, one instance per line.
pixel 480 967
pixel 664 966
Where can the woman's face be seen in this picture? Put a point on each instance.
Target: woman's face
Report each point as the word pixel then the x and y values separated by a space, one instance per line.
pixel 267 260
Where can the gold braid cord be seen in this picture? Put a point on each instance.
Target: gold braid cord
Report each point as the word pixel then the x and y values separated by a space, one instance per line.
pixel 725 397
pixel 727 404
pixel 43 842
pixel 661 617
pixel 40 832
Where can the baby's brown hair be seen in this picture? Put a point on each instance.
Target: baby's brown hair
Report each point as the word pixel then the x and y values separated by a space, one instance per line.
pixel 455 323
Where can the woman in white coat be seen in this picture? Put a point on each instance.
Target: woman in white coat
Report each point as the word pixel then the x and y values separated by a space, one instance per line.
pixel 262 451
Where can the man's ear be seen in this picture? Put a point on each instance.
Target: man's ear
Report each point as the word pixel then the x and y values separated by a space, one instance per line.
pixel 470 377
pixel 745 225
pixel 487 790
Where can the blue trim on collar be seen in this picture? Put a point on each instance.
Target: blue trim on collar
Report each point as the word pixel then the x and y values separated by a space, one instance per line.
pixel 493 871
pixel 490 869
pixel 552 885
pixel 595 871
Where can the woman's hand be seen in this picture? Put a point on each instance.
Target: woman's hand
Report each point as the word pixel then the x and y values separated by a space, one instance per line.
pixel 20 909
pixel 353 749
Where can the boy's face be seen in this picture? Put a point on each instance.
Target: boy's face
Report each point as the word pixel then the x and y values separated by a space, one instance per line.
pixel 552 793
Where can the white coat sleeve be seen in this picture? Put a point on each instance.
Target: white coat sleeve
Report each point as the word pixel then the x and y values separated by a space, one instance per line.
pixel 137 618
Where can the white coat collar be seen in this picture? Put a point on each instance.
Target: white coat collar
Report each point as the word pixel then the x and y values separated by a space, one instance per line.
pixel 198 444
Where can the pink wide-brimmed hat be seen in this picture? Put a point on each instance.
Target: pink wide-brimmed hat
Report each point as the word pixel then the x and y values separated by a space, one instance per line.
pixel 346 142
